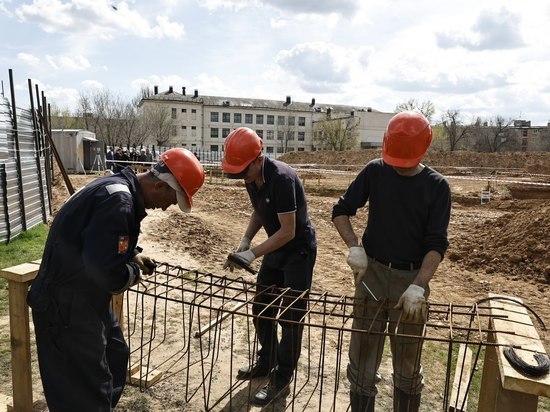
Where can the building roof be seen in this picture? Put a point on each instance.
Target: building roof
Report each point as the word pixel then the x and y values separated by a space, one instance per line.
pixel 243 102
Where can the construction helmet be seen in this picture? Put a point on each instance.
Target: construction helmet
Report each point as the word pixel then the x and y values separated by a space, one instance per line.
pixel 183 172
pixel 242 147
pixel 406 140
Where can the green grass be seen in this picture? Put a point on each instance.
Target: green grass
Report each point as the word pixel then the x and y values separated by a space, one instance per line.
pixel 28 246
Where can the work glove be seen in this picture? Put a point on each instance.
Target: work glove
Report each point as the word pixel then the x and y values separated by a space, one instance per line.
pixel 357 261
pixel 413 304
pixel 145 263
pixel 244 245
pixel 247 256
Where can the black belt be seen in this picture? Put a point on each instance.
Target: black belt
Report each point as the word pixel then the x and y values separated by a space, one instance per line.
pixel 398 266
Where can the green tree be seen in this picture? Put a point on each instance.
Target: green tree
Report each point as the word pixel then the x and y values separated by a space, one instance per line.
pixel 337 133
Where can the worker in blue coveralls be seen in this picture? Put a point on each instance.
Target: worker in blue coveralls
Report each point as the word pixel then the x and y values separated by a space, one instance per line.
pixel 402 245
pixel 279 206
pixel 91 254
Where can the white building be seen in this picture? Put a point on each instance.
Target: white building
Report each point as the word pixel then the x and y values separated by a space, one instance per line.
pixel 202 122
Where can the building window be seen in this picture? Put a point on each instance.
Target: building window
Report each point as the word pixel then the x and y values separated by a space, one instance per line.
pixel 290 135
pixel 302 136
pixel 213 147
pixel 184 130
pixel 184 110
pixel 280 150
pixel 301 121
pixel 259 119
pixel 260 133
pixel 270 119
pixel 237 118
pixel 524 132
pixel 193 130
pixel 214 117
pixel 225 132
pixel 226 117
pixel 194 114
pixel 173 130
pixel 269 149
pixel 281 120
pixel 301 149
pixel 280 135
pixel 291 120
pixel 289 149
pixel 248 118
pixel 270 134
pixel 174 113
pixel 214 133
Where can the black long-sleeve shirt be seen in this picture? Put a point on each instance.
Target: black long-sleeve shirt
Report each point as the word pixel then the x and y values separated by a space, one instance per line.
pixel 408 215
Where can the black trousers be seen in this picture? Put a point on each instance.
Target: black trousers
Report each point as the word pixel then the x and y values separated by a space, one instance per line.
pixel 283 270
pixel 83 356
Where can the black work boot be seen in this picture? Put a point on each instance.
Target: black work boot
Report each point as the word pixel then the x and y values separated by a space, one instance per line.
pixel 256 370
pixel 404 402
pixel 361 403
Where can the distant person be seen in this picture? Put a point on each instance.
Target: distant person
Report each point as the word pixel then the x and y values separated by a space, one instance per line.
pixel 402 245
pixel 109 157
pixel 91 254
pixel 148 155
pixel 279 206
pixel 118 158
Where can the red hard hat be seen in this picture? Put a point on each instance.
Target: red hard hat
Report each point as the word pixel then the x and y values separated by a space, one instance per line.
pixel 185 174
pixel 242 147
pixel 406 140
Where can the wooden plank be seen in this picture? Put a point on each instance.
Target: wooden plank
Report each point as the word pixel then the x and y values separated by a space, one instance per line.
pixel 145 378
pixel 516 328
pixel 20 346
pixel 219 318
pixel 24 272
pixel 463 369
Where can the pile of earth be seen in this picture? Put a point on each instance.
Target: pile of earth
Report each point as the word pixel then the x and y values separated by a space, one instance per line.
pixel 532 162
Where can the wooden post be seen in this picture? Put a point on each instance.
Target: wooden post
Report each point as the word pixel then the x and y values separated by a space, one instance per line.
pixel 503 389
pixel 19 278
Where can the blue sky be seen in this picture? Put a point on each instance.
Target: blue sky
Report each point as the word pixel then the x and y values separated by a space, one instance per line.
pixel 483 58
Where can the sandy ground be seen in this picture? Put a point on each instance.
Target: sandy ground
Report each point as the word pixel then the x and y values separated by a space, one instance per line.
pixel 500 247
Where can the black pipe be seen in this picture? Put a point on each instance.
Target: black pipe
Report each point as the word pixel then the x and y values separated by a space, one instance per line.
pixel 37 156
pixel 18 156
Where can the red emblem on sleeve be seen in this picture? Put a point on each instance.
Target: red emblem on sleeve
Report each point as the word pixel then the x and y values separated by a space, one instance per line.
pixel 123 244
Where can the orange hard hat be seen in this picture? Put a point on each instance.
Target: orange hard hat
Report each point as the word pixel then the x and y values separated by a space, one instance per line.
pixel 242 147
pixel 406 140
pixel 181 169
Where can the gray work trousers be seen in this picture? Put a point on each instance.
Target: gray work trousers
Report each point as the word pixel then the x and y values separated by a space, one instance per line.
pixel 366 347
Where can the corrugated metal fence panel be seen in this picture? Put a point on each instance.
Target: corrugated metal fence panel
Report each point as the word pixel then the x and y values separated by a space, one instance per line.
pixel 6 128
pixel 11 222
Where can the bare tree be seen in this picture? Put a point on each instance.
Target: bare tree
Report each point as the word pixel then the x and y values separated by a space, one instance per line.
pixel 455 130
pixel 159 123
pixel 425 107
pixel 495 135
pixel 133 130
pixel 337 133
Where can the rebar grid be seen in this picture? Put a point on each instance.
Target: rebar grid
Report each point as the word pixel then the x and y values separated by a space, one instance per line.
pixel 193 330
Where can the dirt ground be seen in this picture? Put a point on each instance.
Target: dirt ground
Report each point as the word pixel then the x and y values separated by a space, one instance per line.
pixel 499 247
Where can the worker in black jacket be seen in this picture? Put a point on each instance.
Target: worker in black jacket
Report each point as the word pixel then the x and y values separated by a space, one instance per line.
pixel 402 245
pixel 91 254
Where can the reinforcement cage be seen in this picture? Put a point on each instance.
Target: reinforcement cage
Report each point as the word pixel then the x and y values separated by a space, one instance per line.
pixel 190 331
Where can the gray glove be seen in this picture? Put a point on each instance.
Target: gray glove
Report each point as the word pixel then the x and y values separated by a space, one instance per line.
pixel 145 263
pixel 413 304
pixel 357 261
pixel 243 245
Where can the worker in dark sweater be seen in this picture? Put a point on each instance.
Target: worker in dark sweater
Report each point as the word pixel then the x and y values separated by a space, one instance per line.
pixel 405 239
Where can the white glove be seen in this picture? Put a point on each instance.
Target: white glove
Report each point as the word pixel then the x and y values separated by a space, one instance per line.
pixel 244 245
pixel 145 263
pixel 413 304
pixel 357 261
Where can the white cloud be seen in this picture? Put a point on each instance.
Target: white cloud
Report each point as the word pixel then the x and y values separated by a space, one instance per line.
pixel 494 30
pixel 68 62
pixel 92 84
pixel 95 18
pixel 29 59
pixel 318 66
